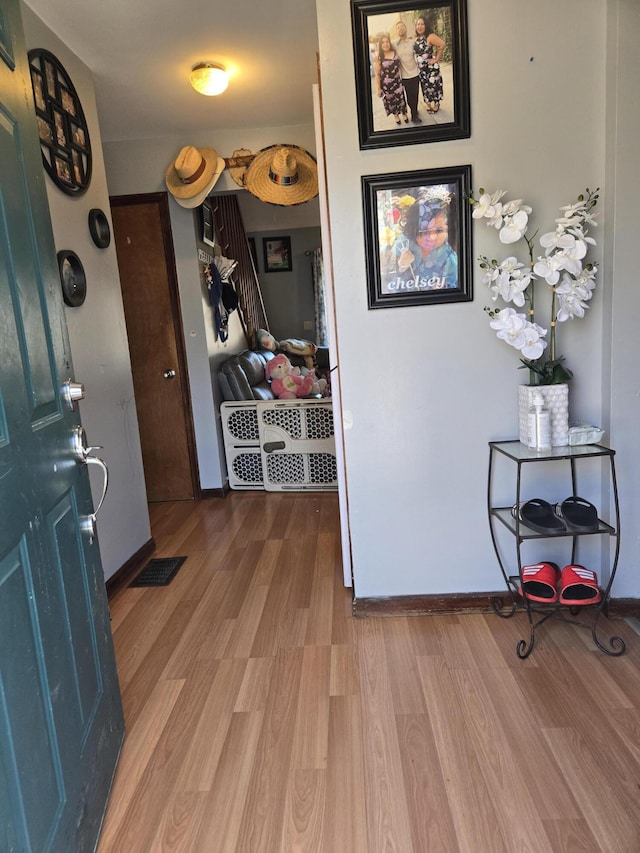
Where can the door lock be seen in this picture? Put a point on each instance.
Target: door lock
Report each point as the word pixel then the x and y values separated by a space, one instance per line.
pixel 72 392
pixel 169 374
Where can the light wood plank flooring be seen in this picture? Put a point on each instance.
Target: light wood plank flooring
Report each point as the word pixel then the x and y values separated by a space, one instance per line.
pixel 262 717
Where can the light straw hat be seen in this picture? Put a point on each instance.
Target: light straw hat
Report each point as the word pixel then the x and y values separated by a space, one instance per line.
pixel 193 174
pixel 283 174
pixel 237 172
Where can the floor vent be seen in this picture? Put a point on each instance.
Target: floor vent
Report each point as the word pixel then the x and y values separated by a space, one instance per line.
pixel 158 572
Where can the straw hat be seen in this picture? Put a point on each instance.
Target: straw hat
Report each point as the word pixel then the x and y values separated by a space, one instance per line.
pixel 193 174
pixel 238 172
pixel 283 174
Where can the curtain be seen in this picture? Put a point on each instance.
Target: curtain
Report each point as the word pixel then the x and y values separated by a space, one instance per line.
pixel 319 298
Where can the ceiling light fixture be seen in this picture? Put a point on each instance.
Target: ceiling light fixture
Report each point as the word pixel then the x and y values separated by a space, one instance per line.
pixel 209 78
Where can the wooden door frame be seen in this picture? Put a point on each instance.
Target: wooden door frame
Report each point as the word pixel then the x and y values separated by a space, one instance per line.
pixel 162 200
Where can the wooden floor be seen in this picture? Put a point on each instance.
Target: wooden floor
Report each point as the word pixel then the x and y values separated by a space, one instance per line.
pixel 262 717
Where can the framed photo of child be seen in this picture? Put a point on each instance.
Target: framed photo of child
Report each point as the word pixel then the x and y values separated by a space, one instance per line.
pixel 411 71
pixel 418 237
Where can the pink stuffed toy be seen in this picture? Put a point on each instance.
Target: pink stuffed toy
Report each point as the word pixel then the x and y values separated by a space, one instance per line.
pixel 286 384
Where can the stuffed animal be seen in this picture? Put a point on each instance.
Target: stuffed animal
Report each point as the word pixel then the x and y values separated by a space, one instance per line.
pixel 304 350
pixel 319 387
pixel 265 340
pixel 286 384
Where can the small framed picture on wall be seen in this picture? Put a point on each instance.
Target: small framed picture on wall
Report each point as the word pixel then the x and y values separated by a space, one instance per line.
pixel 208 230
pixel 277 254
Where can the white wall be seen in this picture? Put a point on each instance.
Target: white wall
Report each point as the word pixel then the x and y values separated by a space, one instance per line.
pixel 139 166
pixel 98 335
pixel 426 388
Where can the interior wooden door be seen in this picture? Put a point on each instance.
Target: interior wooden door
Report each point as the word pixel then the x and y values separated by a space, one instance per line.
pixel 148 279
pixel 61 722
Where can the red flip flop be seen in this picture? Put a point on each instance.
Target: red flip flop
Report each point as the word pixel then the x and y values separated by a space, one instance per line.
pixel 540 582
pixel 579 586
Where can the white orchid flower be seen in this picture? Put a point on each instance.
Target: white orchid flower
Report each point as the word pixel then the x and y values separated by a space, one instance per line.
pixel 485 206
pixel 587 277
pixel 579 210
pixel 518 332
pixel 580 234
pixel 514 227
pixel 534 346
pixel 578 207
pixel 572 256
pixel 496 219
pixel 558 239
pixel 511 282
pixel 569 306
pixel 490 276
pixel 510 208
pixel 550 268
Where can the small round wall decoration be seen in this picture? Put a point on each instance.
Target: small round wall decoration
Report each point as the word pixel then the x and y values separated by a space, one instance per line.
pixel 72 278
pixel 62 127
pixel 99 228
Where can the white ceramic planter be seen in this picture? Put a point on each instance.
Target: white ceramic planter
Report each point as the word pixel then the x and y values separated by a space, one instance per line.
pixel 556 398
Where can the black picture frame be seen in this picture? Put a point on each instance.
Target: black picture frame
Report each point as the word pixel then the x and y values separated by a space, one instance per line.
pixel 376 129
pixel 208 227
pixel 62 127
pixel 276 253
pixel 418 237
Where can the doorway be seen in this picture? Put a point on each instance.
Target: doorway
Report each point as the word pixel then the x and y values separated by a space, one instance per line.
pixel 144 246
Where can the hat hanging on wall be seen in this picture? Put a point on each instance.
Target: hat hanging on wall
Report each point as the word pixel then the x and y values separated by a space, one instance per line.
pixel 244 157
pixel 283 175
pixel 193 174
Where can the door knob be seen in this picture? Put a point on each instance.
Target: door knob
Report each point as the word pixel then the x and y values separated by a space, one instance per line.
pixel 169 374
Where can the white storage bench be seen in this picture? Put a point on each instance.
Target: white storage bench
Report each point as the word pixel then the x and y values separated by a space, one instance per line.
pixel 280 445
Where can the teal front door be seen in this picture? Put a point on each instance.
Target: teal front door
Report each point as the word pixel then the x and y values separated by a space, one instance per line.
pixel 61 723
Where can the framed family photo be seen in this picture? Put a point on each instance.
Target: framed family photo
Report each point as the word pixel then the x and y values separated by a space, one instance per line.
pixel 418 237
pixel 412 71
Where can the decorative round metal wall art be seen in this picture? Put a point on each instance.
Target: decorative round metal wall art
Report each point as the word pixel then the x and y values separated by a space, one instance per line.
pixel 99 228
pixel 62 127
pixel 72 278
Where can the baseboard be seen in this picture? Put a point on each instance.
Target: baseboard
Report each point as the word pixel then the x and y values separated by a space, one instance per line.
pixel 205 494
pixel 474 602
pixel 127 572
pixel 622 608
pixel 423 605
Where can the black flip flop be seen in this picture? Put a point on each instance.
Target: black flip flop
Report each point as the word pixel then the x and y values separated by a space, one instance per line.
pixel 539 515
pixel 578 514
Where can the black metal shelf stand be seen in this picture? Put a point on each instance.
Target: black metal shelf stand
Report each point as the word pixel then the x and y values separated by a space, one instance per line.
pixel 499 515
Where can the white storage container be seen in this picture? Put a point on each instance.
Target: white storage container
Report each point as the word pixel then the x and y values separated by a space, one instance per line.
pixel 582 433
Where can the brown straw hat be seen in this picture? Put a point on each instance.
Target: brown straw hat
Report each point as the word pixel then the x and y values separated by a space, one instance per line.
pixel 193 174
pixel 238 164
pixel 283 174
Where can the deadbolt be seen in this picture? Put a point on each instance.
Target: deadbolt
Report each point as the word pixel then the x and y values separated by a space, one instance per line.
pixel 169 374
pixel 72 392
